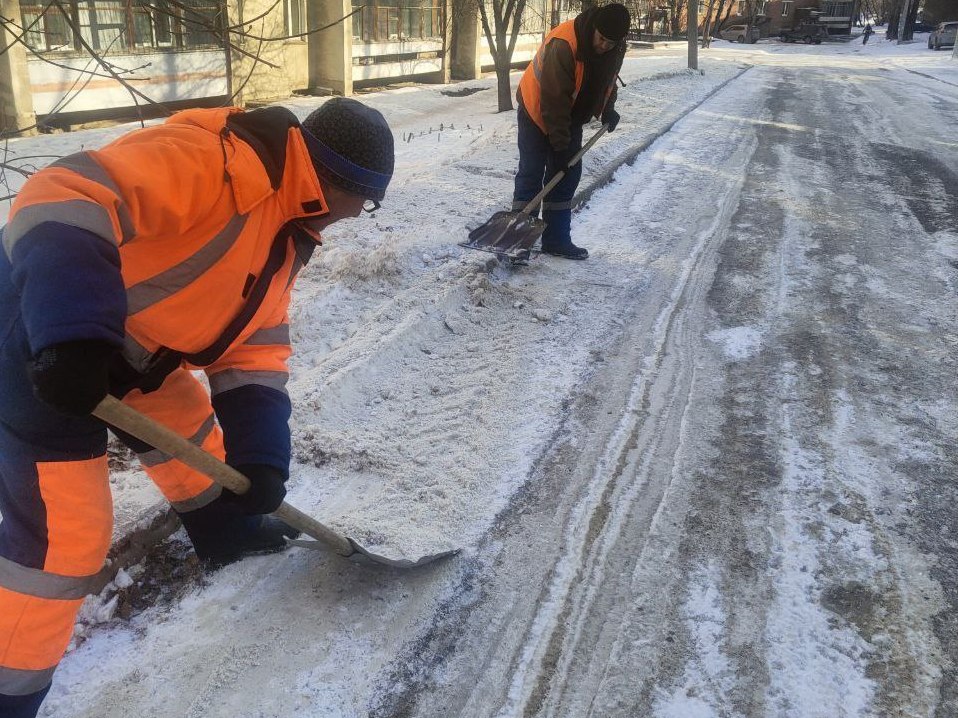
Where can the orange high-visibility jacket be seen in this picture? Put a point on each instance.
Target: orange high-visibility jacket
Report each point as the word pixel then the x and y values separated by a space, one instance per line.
pixel 552 82
pixel 203 214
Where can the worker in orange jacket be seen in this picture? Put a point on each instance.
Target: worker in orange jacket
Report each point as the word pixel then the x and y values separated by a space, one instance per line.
pixel 172 249
pixel 570 80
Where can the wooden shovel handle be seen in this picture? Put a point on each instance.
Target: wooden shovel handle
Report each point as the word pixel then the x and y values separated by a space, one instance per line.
pixel 118 414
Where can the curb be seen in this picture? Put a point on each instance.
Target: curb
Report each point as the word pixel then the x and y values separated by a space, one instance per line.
pixel 655 44
pixel 930 77
pixel 130 549
pixel 630 155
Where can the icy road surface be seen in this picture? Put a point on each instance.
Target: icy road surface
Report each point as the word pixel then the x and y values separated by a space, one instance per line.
pixel 708 472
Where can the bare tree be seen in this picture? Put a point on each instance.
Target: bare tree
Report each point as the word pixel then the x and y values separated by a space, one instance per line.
pixel 676 10
pixel 707 25
pixel 728 13
pixel 501 28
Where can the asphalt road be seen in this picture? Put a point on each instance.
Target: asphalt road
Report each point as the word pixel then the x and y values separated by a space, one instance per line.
pixel 768 529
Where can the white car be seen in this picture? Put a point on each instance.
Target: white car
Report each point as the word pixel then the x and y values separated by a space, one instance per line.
pixel 740 33
pixel 943 36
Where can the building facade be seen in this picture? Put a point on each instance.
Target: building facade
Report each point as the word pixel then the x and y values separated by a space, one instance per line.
pixel 101 58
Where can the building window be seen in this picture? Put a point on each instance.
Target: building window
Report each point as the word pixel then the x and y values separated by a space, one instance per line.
pixel 397 20
pixel 111 26
pixel 838 9
pixel 786 8
pixel 296 17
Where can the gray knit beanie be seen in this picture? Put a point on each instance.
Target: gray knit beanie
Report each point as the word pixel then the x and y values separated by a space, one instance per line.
pixel 351 146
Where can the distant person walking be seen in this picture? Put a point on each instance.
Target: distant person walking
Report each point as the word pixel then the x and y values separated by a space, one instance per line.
pixel 867 34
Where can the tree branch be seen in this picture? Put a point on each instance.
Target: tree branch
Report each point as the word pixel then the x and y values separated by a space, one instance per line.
pixel 134 93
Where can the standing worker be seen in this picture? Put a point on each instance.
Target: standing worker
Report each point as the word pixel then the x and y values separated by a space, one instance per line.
pixel 173 248
pixel 570 80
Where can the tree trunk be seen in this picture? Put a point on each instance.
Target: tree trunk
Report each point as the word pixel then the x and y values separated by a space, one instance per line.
pixel 910 21
pixel 501 34
pixel 728 11
pixel 707 25
pixel 679 9
pixel 505 87
pixel 892 32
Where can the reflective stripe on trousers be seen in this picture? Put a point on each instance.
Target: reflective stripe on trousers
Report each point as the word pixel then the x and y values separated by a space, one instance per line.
pixel 42 586
pixel 538 163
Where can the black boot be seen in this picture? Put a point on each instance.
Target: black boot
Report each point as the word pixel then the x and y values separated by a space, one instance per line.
pixel 222 534
pixel 557 238
pixel 22 706
pixel 567 251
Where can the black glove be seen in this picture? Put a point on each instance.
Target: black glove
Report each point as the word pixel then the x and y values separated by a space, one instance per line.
pixel 564 156
pixel 611 118
pixel 72 377
pixel 266 492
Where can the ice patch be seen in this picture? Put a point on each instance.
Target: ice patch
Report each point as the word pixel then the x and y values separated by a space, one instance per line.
pixel 946 243
pixel 738 342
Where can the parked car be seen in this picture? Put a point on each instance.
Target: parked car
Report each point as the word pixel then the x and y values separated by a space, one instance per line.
pixel 740 33
pixel 943 36
pixel 807 33
pixel 923 27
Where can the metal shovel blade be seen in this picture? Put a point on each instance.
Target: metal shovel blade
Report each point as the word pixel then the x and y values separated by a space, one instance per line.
pixel 365 557
pixel 507 234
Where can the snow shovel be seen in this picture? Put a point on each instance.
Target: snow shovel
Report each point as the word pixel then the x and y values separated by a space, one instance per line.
pixel 511 235
pixel 117 414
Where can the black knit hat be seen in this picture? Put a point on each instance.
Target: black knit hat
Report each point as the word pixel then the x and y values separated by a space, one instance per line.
pixel 351 146
pixel 613 21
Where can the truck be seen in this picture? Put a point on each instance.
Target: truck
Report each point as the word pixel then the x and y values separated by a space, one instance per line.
pixel 808 32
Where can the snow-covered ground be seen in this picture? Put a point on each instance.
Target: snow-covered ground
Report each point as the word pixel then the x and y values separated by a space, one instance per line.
pixel 692 476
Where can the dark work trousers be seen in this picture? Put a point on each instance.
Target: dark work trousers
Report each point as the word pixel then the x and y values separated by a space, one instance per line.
pixel 538 163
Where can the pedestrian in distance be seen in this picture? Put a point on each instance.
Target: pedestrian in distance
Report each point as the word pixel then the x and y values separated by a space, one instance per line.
pixel 867 34
pixel 172 249
pixel 570 81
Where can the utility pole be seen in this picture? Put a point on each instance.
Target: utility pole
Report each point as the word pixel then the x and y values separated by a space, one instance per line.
pixel 692 13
